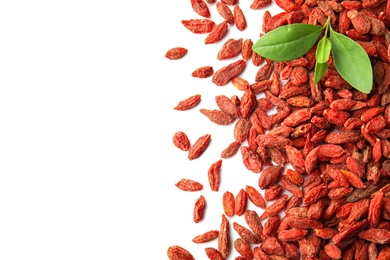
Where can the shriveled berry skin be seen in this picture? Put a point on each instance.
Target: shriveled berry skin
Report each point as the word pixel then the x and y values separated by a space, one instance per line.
pixel 176 53
pixel 199 147
pixel 223 76
pixel 181 141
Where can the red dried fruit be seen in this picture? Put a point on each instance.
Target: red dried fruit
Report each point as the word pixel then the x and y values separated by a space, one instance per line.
pixel 377 150
pixel 179 253
pixel 336 117
pixel 270 141
pixel 199 25
pixel 291 251
pixel 349 231
pixel 188 103
pixel 376 235
pixel 240 202
pixel 292 234
pixel 254 222
pixel 189 185
pixel 199 209
pixel 259 254
pixel 296 158
pixel 228 201
pixel 230 2
pixel 270 176
pixel 243 248
pixel 359 21
pixel 342 104
pixel 241 129
pixel 330 150
pixel 226 105
pixel 300 101
pixel 206 237
pixel 290 186
pixel 342 137
pixel 219 31
pixel 355 166
pixel 239 18
pixel 201 8
pixel 273 192
pixel 230 49
pixel 255 196
pixel 337 176
pixel 240 83
pixel 199 147
pixel 384 253
pixel 264 72
pixel 375 208
pixel 181 141
pixel 251 160
pixel 271 226
pixel 217 116
pixel 176 53
pixel 371 113
pixel 231 150
pixel 294 176
pixel 299 75
pixel 225 12
pixel 224 237
pixel 256 60
pixel 376 124
pixel 272 246
pixel 339 192
pixel 258 4
pixel 213 254
pixel 277 156
pixel 303 223
pixel 203 72
pixel 222 76
pixel 275 207
pixel 246 234
pixel 214 175
pixel 325 233
pixel 315 193
pixel 333 251
pixel 311 160
pixel 310 245
pixel 246 50
pixel 287 5
pixel 248 101
pixel 353 179
pixel 372 251
pixel 297 117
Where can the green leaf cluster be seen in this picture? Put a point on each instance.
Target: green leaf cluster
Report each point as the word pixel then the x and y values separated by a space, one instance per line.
pixel 295 40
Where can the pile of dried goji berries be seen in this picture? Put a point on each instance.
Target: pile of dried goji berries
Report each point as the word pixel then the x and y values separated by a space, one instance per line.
pixel 337 204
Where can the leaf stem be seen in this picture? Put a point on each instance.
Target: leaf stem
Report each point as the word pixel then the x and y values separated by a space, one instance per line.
pixel 327 24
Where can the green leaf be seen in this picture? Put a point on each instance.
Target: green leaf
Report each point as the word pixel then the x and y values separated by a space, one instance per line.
pixel 352 62
pixel 319 71
pixel 323 50
pixel 322 57
pixel 287 42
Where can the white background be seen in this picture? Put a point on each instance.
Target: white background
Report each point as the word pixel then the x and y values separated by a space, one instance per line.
pixel 87 164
